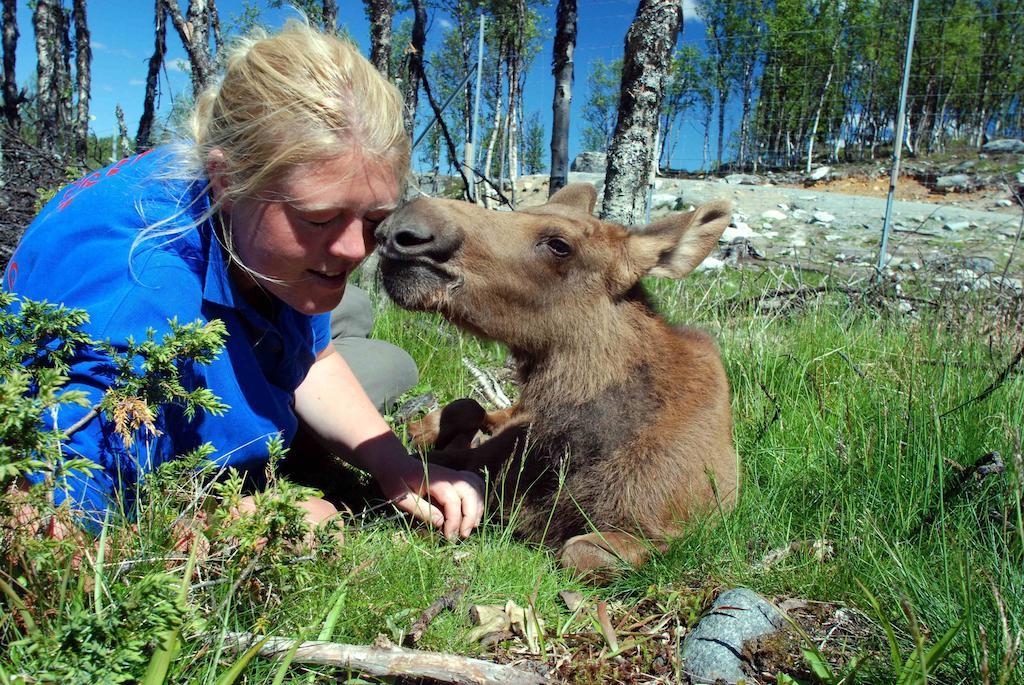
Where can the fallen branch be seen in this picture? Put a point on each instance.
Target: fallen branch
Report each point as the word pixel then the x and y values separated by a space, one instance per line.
pixel 388 662
pixel 991 388
pixel 489 386
pixel 803 292
pixel 775 415
pixel 986 465
pixel 446 602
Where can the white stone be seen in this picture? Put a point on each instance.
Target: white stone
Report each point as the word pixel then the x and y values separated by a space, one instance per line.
pixel 741 230
pixel 663 199
pixel 783 206
pixel 773 215
pixel 710 264
pixel 823 217
pixel 820 173
pixel 832 237
pixel 956 225
pixel 770 234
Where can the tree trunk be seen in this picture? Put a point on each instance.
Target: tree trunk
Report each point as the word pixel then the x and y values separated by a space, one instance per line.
pixel 490 146
pixel 83 63
pixel 821 105
pixel 122 148
pixel 562 70
pixel 747 91
pixel 414 64
pixel 144 138
pixel 515 61
pixel 194 31
pixel 380 13
pixel 647 60
pixel 12 96
pixel 63 78
pixel 45 23
pixel 330 17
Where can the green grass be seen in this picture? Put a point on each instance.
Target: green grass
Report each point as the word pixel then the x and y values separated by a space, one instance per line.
pixel 838 407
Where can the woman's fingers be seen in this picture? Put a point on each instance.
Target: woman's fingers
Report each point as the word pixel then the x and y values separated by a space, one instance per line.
pixel 421 509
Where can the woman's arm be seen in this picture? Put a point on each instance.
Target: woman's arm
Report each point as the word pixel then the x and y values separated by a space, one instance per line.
pixel 333 404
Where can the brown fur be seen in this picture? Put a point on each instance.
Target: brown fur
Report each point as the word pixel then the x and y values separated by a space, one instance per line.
pixel 624 421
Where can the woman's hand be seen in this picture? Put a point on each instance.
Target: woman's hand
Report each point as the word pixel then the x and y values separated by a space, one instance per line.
pixel 447 499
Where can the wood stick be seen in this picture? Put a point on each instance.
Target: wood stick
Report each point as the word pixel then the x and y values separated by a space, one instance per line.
pixel 393 661
pixel 442 603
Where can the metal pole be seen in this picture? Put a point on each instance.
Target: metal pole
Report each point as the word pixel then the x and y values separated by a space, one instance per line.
pixel 471 175
pixel 898 143
pixel 425 131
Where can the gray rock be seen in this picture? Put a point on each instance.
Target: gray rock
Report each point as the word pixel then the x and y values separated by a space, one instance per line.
pixel 710 264
pixel 1004 203
pixel 824 217
pixel 980 265
pixel 1004 145
pixel 742 179
pixel 737 230
pixel 590 162
pixel 953 182
pixel 820 173
pixel 956 225
pixel 773 215
pixel 713 649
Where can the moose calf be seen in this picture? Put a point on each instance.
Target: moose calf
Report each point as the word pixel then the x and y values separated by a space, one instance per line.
pixel 623 429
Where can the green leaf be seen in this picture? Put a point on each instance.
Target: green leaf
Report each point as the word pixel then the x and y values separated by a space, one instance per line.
pixel 818 664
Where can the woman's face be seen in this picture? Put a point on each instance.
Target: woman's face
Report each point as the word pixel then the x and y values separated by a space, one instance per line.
pixel 310 230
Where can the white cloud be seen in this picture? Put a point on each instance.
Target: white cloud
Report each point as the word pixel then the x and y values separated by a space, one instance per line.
pixel 445 24
pixel 690 10
pixel 97 46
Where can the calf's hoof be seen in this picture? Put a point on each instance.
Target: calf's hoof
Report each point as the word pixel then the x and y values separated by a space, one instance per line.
pixel 424 432
pixel 600 555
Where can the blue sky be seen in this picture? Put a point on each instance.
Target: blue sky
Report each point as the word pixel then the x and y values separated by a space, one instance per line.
pixel 122 41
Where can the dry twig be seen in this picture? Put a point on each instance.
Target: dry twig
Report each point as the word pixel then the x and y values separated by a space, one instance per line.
pixel 448 601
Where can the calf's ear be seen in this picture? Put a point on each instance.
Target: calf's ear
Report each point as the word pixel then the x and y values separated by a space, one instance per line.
pixel 673 247
pixel 581 196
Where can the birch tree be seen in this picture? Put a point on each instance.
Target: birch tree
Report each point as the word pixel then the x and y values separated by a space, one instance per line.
pixel 413 65
pixel 83 81
pixel 144 138
pixel 380 14
pixel 13 97
pixel 562 69
pixel 646 63
pixel 194 29
pixel 45 24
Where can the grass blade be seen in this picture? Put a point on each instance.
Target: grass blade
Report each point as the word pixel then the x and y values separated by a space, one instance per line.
pixel 287 660
pixel 16 603
pixel 160 662
pixel 231 675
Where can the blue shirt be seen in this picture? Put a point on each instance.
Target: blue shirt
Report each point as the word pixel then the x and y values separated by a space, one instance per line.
pixel 77 252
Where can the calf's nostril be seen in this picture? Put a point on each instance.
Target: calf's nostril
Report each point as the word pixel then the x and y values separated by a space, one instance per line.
pixel 412 237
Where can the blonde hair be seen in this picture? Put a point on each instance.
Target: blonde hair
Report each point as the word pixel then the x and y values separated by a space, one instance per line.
pixel 286 100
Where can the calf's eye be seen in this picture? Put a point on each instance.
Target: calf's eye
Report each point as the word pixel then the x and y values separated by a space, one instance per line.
pixel 558 247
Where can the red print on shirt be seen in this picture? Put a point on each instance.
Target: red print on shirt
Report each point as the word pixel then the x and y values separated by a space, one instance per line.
pixel 12 275
pixel 76 187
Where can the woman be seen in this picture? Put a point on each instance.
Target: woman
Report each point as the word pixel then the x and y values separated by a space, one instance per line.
pixel 297 155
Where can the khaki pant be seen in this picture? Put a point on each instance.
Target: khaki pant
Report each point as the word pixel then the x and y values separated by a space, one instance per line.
pixel 384 370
